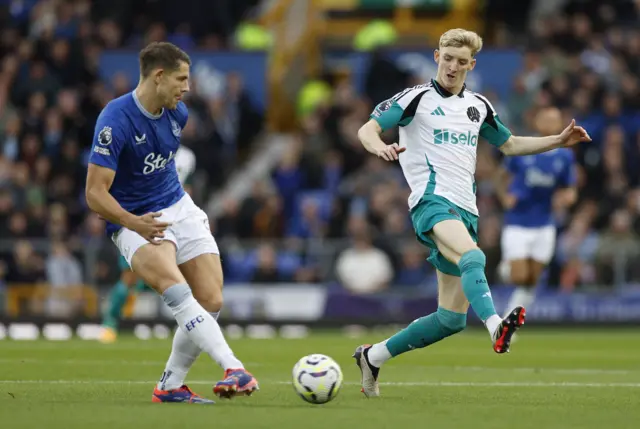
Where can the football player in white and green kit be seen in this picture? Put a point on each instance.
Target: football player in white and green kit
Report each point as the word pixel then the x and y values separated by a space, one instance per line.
pixel 440 123
pixel 129 281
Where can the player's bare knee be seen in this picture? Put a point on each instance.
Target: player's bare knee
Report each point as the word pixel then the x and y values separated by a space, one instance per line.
pixel 464 250
pixel 456 305
pixel 212 302
pixel 209 296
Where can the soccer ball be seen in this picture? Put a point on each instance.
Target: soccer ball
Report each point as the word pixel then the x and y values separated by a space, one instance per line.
pixel 317 378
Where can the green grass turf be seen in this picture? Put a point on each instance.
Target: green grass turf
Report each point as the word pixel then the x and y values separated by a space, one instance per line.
pixel 551 379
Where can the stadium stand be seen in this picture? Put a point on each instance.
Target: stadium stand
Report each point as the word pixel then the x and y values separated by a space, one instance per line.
pixel 325 209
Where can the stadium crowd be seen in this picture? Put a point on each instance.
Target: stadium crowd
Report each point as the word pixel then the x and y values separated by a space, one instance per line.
pixel 51 93
pixel 331 211
pixel 583 59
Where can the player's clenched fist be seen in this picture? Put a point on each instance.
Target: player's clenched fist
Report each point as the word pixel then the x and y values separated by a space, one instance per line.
pixel 149 227
pixel 390 152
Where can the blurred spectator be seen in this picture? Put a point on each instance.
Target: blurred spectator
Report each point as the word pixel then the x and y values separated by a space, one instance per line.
pixel 576 251
pixel 62 268
pixel 618 247
pixel 25 266
pixel 363 268
pixel 64 276
pixel 266 270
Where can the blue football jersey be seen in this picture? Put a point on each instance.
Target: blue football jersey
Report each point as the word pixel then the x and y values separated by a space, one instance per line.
pixel 140 148
pixel 535 178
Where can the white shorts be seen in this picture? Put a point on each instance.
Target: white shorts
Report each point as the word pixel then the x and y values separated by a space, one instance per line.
pixel 519 242
pixel 189 231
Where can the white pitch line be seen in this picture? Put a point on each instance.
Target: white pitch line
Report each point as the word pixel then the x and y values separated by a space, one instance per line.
pixel 568 371
pixel 399 383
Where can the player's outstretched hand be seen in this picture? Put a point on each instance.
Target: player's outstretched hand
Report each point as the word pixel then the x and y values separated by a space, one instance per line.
pixel 390 152
pixel 574 134
pixel 150 228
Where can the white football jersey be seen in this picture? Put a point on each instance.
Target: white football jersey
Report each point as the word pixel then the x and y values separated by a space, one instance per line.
pixel 185 163
pixel 440 133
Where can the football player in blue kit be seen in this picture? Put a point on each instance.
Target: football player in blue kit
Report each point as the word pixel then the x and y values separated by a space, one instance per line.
pixel 133 184
pixel 536 185
pixel 123 294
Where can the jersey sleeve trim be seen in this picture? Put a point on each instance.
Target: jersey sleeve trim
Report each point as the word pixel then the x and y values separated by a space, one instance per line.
pixel 387 114
pixel 492 128
pixel 390 113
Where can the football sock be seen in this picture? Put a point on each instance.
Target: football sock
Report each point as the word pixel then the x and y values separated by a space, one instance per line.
pixel 184 353
pixel 521 296
pixel 117 300
pixel 476 288
pixel 420 333
pixel 199 326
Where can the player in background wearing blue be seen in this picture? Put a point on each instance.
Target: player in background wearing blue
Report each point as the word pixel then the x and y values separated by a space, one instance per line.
pixel 133 184
pixel 125 290
pixel 530 188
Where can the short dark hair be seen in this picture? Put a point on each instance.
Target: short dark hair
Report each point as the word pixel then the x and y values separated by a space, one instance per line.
pixel 163 55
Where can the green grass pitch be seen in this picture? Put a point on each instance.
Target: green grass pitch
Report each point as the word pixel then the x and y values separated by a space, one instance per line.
pixel 551 379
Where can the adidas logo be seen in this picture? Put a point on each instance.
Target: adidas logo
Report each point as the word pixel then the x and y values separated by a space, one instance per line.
pixel 438 112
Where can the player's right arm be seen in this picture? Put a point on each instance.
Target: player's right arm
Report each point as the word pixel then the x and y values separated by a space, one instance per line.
pixel 369 135
pixel 387 115
pixel 107 145
pixel 99 181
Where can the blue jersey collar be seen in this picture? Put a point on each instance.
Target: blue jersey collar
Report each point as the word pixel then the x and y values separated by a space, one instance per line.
pixel 143 110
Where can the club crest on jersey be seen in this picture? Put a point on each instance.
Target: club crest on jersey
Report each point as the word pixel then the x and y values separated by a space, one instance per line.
pixel 473 114
pixel 175 128
pixel 105 136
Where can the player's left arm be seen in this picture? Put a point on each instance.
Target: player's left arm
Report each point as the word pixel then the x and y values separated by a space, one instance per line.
pixel 500 136
pixel 518 145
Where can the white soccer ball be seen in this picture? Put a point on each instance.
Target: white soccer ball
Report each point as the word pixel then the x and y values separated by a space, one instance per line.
pixel 317 378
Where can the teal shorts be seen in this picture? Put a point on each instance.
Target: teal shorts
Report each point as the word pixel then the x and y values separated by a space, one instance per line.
pixel 433 209
pixel 122 264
